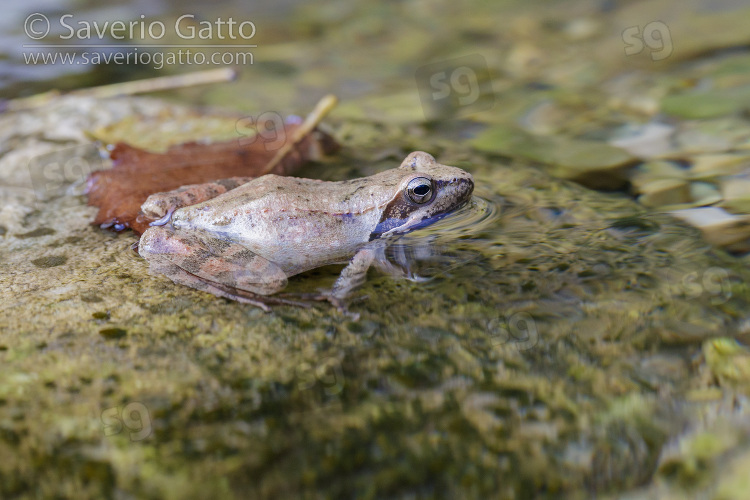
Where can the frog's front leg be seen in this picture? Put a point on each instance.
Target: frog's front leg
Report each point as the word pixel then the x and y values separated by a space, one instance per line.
pixel 161 205
pixel 353 275
pixel 216 266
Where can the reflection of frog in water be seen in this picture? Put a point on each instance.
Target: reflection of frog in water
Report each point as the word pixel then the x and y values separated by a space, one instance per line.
pixel 245 243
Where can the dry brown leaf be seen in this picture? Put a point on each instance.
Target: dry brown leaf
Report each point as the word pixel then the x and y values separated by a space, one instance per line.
pixel 137 173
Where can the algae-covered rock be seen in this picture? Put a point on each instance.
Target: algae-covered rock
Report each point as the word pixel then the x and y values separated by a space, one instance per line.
pixel 591 163
pixel 664 192
pixel 708 104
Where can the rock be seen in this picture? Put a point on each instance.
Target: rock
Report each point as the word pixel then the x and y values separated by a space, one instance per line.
pixel 704 193
pixel 653 170
pixel 718 226
pixel 702 105
pixel 711 136
pixel 711 166
pixel 735 188
pixel 664 192
pixel 646 141
pixel 594 164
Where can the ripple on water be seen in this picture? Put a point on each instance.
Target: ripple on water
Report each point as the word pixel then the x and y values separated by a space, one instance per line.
pixel 439 247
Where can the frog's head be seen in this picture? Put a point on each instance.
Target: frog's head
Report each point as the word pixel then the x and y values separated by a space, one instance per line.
pixel 427 191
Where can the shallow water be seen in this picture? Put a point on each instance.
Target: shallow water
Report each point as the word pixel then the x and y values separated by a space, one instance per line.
pixel 554 340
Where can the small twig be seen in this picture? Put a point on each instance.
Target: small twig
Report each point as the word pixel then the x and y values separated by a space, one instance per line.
pixel 324 106
pixel 126 88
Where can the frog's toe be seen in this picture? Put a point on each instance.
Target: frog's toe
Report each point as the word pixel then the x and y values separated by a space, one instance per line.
pixel 252 298
pixel 338 302
pixel 341 306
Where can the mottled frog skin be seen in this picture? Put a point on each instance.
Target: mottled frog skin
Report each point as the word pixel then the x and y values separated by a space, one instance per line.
pixel 245 243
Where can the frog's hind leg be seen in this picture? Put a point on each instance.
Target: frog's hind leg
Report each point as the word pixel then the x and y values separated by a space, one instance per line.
pixel 215 266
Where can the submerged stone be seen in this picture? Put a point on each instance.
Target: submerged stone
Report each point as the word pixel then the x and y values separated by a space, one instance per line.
pixel 591 163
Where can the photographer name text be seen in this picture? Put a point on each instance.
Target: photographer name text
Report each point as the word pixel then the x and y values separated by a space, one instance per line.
pixel 186 27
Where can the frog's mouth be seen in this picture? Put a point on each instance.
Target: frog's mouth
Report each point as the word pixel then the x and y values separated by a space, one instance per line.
pixel 431 220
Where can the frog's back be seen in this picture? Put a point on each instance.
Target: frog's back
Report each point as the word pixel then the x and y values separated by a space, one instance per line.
pixel 304 223
pixel 290 194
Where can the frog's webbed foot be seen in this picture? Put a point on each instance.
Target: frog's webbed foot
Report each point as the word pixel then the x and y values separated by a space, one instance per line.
pixel 355 274
pixel 341 304
pixel 397 271
pixel 215 266
pixel 351 277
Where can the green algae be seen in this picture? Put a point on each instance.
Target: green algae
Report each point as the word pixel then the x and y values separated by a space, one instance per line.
pixel 36 233
pixel 112 333
pixel 729 362
pixel 50 261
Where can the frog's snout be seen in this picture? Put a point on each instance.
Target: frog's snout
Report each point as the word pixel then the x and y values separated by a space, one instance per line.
pixel 462 185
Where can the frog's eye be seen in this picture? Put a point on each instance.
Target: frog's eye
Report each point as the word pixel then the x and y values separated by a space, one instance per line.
pixel 419 190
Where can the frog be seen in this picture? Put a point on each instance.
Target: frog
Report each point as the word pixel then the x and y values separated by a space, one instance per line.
pixel 245 243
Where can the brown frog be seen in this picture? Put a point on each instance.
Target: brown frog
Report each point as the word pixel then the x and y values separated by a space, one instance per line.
pixel 245 243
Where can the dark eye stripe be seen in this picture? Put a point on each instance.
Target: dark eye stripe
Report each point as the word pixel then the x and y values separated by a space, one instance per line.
pixel 395 215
